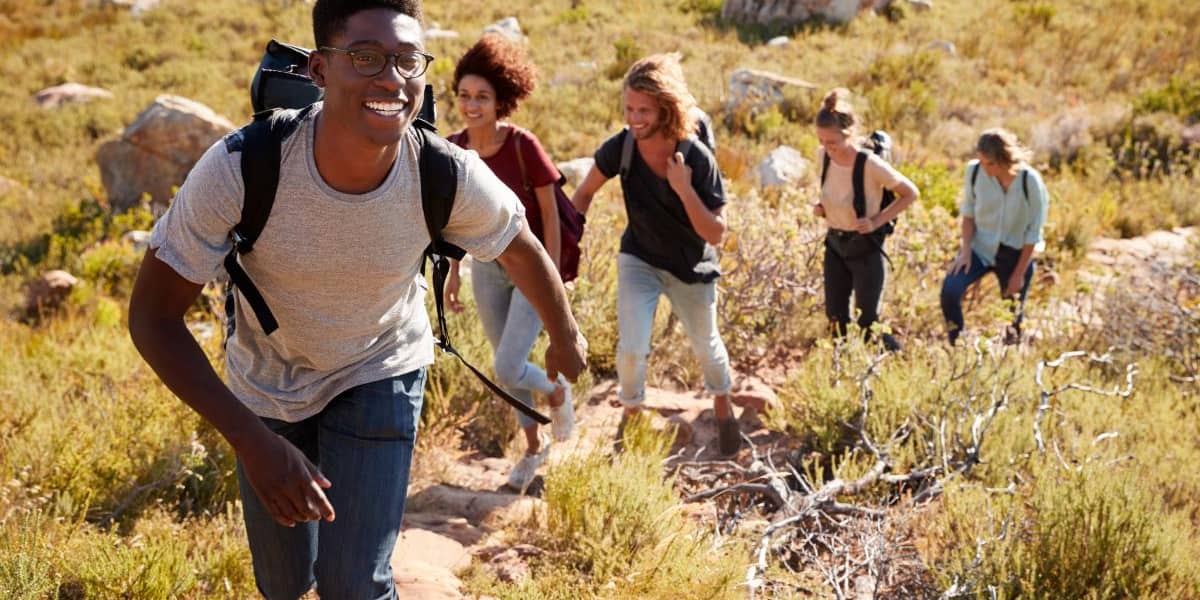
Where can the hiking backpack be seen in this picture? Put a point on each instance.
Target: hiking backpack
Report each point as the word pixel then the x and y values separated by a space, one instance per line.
pixel 880 143
pixel 570 221
pixel 282 95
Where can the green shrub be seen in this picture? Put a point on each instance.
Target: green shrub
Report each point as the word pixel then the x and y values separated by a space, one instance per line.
pixel 939 186
pixel 1091 533
pixel 1180 97
pixel 1034 14
pixel 626 51
pixel 613 529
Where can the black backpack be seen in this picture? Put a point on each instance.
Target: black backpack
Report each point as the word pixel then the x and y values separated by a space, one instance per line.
pixel 880 143
pixel 282 95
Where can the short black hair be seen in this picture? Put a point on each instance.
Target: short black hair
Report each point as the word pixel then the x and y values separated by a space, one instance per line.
pixel 329 16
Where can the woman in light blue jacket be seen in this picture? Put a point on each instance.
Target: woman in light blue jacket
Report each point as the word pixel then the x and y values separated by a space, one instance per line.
pixel 1003 213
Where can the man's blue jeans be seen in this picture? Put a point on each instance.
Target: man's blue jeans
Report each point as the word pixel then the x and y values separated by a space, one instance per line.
pixel 639 286
pixel 363 443
pixel 955 286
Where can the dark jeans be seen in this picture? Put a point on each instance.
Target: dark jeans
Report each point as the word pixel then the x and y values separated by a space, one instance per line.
pixel 853 263
pixel 363 443
pixel 956 285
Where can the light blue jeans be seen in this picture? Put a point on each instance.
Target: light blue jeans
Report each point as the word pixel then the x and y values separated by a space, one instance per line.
pixel 363 443
pixel 512 327
pixel 639 286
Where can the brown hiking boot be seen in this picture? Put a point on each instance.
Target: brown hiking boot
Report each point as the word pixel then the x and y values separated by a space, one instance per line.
pixel 729 436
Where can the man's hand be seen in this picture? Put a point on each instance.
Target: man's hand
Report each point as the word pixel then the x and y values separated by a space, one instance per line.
pixel 569 358
pixel 679 175
pixel 288 485
pixel 1015 282
pixel 453 285
pixel 962 262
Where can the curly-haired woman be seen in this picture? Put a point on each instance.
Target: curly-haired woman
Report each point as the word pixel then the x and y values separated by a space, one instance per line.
pixel 489 81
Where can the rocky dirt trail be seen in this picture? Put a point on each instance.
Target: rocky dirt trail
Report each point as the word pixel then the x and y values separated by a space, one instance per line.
pixel 461 515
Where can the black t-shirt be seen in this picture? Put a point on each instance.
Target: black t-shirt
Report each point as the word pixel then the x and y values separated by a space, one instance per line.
pixel 659 231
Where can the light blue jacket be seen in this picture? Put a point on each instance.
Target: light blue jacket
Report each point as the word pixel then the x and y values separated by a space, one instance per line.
pixel 1014 218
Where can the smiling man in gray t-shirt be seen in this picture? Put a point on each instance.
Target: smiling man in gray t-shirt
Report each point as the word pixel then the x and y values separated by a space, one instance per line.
pixel 323 412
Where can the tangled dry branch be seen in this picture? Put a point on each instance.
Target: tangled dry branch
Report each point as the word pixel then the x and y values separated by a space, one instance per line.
pixel 853 546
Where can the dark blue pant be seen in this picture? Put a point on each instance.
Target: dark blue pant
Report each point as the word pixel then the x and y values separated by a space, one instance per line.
pixel 956 285
pixel 363 443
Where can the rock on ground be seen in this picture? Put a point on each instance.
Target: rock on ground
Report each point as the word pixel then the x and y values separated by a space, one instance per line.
pixel 47 293
pixel 424 562
pixel 750 89
pixel 791 12
pixel 783 166
pixel 156 151
pixel 69 93
pixel 508 27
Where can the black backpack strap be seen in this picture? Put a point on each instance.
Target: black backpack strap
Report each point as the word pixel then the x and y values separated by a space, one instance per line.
pixel 1025 184
pixel 974 176
pixel 439 185
pixel 860 193
pixel 684 147
pixel 260 144
pixel 824 167
pixel 626 153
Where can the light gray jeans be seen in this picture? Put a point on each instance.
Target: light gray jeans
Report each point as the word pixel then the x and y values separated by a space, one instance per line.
pixel 639 287
pixel 512 327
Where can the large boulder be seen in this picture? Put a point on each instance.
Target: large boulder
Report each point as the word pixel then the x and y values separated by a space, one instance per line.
pixel 773 12
pixel 790 12
pixel 157 150
pixel 783 166
pixel 69 93
pixel 750 89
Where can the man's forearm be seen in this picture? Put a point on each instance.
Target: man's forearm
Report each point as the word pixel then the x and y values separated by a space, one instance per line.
pixel 530 268
pixel 171 351
pixel 707 224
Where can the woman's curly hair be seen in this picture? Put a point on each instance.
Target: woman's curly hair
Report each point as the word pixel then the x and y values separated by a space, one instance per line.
pixel 504 64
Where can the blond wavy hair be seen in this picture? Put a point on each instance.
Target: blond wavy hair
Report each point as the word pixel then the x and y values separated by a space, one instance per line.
pixel 661 77
pixel 1002 146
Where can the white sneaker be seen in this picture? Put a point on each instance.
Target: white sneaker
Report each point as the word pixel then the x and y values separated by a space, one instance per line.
pixel 562 417
pixel 526 469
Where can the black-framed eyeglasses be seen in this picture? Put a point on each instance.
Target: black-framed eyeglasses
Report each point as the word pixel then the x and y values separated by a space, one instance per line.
pixel 409 64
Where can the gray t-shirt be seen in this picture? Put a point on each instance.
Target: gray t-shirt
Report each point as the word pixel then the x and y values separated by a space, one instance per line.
pixel 341 272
